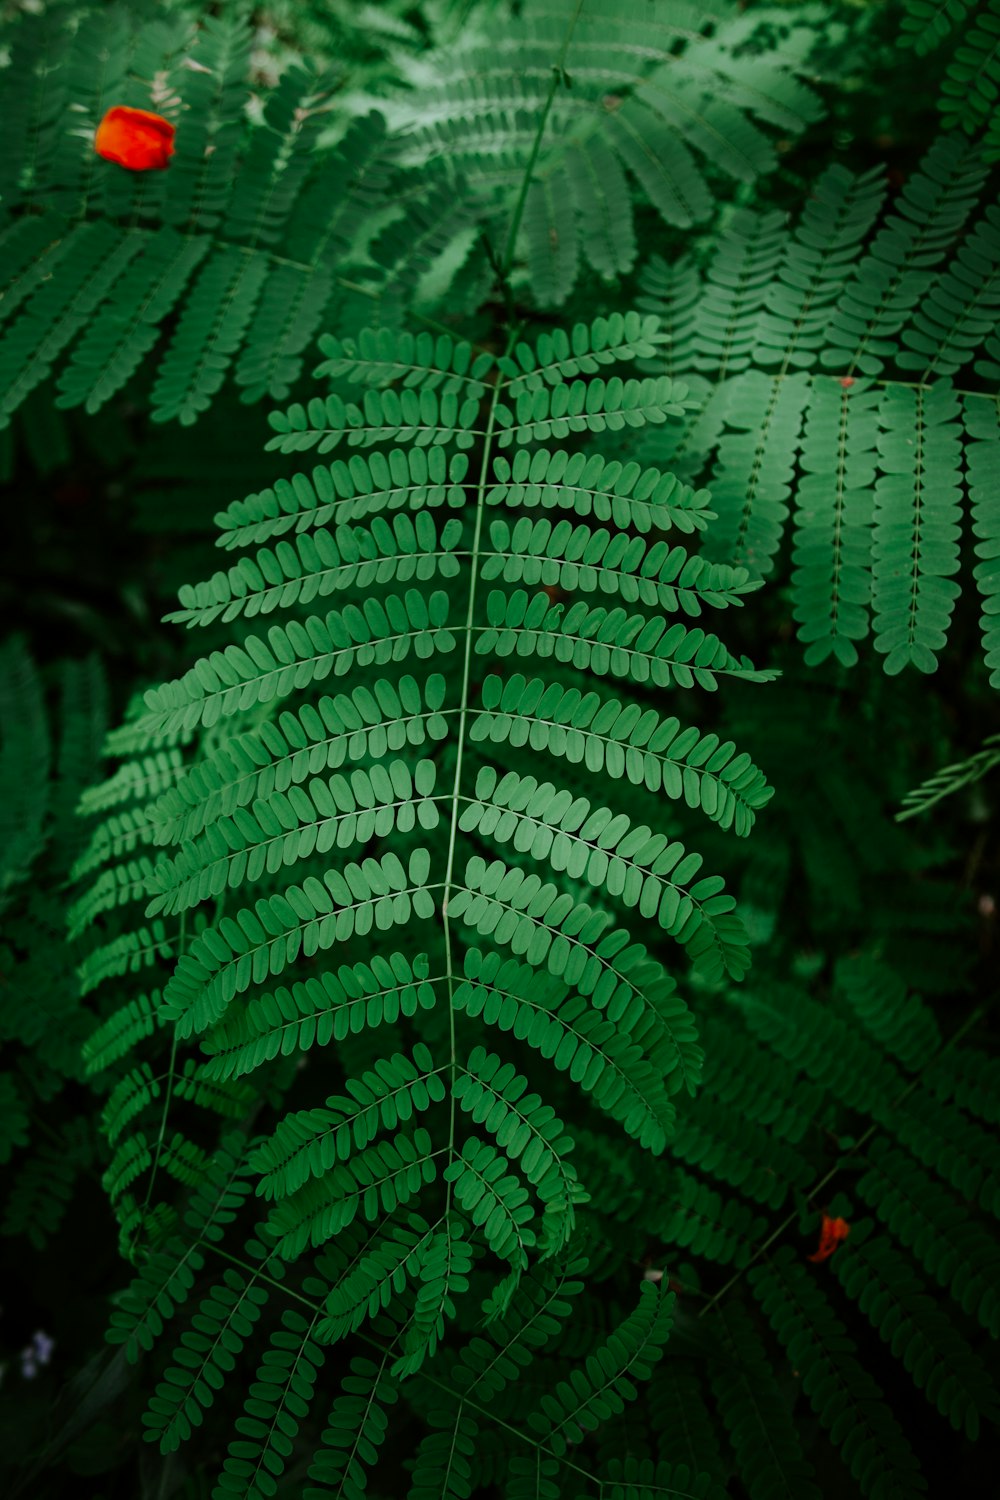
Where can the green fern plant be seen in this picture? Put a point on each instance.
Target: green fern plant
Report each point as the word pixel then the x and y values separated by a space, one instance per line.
pixel 860 416
pixel 436 1187
pixel 494 899
pixel 454 1149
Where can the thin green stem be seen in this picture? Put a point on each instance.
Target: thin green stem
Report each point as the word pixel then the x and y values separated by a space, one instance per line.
pixel 558 72
pixel 484 472
pixel 460 749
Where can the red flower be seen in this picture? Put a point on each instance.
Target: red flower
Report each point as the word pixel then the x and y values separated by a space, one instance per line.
pixel 135 138
pixel 832 1231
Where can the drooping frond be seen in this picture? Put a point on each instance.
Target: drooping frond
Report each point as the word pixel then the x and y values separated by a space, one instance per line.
pixel 864 324
pixel 844 1396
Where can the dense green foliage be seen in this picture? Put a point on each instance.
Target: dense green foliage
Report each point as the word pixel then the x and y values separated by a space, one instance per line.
pixel 515 912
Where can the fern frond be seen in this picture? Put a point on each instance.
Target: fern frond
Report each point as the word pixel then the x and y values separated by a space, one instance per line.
pixel 915 552
pixel 642 870
pixel 205 1355
pixel 768 1448
pixel 755 1081
pixel 600 1054
pixel 443 1468
pixel 113 345
pixel 608 642
pixel 381 356
pixel 496 1201
pixel 357 1426
pixel 624 494
pixel 345 492
pixel 318 1011
pixel 752 479
pixel 969 89
pixel 897 271
pixel 374 1182
pixel 279 830
pixel 308 1144
pixel 700 1220
pixel 869 533
pixel 568 557
pixel 236 245
pixel 493 1094
pixel 662 106
pixel 298 654
pixel 925 23
pixel 717 1139
pixel 948 328
pixel 444 1273
pixel 951 779
pixel 432 1160
pixel 117 1035
pixel 378 1273
pixel 370 721
pixel 165 1280
pixel 606 1381
pixel 842 1393
pixel 319 563
pixel 618 739
pixel 982 424
pixel 635 1479
pixel 969 1076
pixel 309 919
pixel 902 1024
pixel 560 355
pixel 278 1400
pixel 934 1354
pixel 422 417
pixel 934 1225
pixel 13 1117
pixel 832 560
pixel 43 1185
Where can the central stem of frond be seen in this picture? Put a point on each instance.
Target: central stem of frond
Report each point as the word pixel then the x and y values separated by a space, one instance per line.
pixel 463 715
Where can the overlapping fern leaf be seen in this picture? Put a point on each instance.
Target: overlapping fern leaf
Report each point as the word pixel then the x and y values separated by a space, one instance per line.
pixel 970 33
pixel 661 104
pixel 388 870
pixel 838 344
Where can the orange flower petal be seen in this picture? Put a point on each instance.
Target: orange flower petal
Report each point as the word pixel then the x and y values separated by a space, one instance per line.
pixel 832 1232
pixel 135 138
